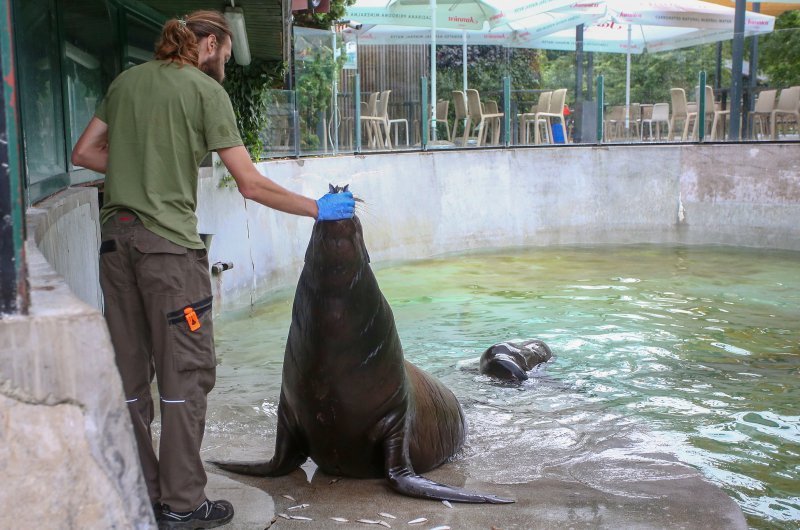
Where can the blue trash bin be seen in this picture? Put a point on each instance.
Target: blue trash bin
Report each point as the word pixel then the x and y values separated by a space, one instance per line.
pixel 558 134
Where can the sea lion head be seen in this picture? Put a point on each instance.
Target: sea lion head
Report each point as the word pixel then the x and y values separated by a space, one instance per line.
pixel 336 252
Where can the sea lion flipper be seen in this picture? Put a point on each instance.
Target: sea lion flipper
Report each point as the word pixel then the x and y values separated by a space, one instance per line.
pixel 403 479
pixel 406 482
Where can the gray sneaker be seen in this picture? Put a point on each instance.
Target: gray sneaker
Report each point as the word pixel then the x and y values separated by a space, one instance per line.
pixel 207 515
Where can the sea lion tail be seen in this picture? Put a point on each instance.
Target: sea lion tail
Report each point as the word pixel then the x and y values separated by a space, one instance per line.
pixel 419 486
pixel 259 469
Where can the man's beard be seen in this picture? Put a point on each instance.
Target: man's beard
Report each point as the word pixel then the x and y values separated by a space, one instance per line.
pixel 214 70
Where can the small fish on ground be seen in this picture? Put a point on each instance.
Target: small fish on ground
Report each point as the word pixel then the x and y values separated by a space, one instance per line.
pixel 440 528
pixel 368 521
pixel 299 507
pixel 418 521
pixel 284 516
pixel 390 516
pixel 339 519
pixel 384 523
pixel 289 497
pixel 447 503
pixel 300 518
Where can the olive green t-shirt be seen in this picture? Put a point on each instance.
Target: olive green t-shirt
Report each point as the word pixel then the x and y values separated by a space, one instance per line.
pixel 163 119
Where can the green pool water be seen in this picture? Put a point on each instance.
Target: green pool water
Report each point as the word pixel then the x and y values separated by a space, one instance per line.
pixel 693 351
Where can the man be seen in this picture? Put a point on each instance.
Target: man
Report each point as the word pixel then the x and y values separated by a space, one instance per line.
pixel 149 134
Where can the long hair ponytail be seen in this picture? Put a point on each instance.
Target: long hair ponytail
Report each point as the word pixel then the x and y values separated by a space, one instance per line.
pixel 180 36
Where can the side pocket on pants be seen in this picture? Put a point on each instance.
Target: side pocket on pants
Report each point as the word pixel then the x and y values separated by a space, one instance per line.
pixel 191 335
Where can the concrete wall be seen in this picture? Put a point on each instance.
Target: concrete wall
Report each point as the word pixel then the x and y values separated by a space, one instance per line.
pixel 67 233
pixel 419 205
pixel 67 454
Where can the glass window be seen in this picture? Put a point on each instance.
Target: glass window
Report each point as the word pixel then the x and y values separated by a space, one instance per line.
pixel 40 90
pixel 141 40
pixel 88 61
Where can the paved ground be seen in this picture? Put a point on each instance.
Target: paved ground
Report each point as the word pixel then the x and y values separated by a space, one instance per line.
pixel 665 495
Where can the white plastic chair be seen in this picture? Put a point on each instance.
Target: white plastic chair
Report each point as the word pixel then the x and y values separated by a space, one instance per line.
pixel 659 115
pixel 442 109
pixel 396 122
pixel 680 113
pixel 765 104
pixel 461 114
pixel 788 106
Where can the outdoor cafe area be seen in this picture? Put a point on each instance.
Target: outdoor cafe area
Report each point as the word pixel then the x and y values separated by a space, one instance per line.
pixel 370 88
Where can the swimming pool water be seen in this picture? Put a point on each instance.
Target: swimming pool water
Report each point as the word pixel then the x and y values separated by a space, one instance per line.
pixel 694 351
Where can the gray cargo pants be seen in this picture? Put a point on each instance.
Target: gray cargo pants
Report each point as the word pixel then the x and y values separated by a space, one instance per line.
pixel 153 290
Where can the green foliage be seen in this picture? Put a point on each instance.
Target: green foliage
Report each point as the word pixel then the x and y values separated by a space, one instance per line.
pixel 314 85
pixel 780 51
pixel 652 74
pixel 309 19
pixel 248 88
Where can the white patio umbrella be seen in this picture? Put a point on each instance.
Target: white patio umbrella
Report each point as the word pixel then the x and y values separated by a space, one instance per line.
pixel 633 27
pixel 481 15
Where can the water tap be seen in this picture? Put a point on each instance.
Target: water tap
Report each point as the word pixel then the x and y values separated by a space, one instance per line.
pixel 220 266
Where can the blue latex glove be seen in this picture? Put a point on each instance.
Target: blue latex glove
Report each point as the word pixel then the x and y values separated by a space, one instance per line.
pixel 336 206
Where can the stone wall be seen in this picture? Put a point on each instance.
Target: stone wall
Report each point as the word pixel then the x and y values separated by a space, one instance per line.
pixel 68 458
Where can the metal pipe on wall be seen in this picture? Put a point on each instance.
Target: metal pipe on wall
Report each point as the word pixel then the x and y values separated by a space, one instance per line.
pixel 736 71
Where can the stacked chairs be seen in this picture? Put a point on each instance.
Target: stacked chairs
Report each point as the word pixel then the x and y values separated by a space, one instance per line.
pixel 477 117
pixel 613 123
pixel 555 113
pixel 369 119
pixel 494 124
pixel 378 125
pixel 528 118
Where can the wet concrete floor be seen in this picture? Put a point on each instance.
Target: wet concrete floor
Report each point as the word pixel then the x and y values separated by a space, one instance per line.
pixel 653 493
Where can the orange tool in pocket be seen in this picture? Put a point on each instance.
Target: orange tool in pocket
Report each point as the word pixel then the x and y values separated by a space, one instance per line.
pixel 191 318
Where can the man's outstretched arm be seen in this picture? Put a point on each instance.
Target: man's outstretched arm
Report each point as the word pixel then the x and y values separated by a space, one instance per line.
pixel 255 186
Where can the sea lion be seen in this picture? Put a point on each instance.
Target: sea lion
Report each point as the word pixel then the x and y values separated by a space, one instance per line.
pixel 348 398
pixel 510 361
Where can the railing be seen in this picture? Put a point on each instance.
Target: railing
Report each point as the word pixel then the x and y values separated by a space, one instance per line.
pixel 602 107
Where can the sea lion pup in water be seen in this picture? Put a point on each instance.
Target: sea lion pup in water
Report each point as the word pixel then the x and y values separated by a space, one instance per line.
pixel 348 398
pixel 510 361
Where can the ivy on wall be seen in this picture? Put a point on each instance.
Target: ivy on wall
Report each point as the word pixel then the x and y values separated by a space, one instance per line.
pixel 248 88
